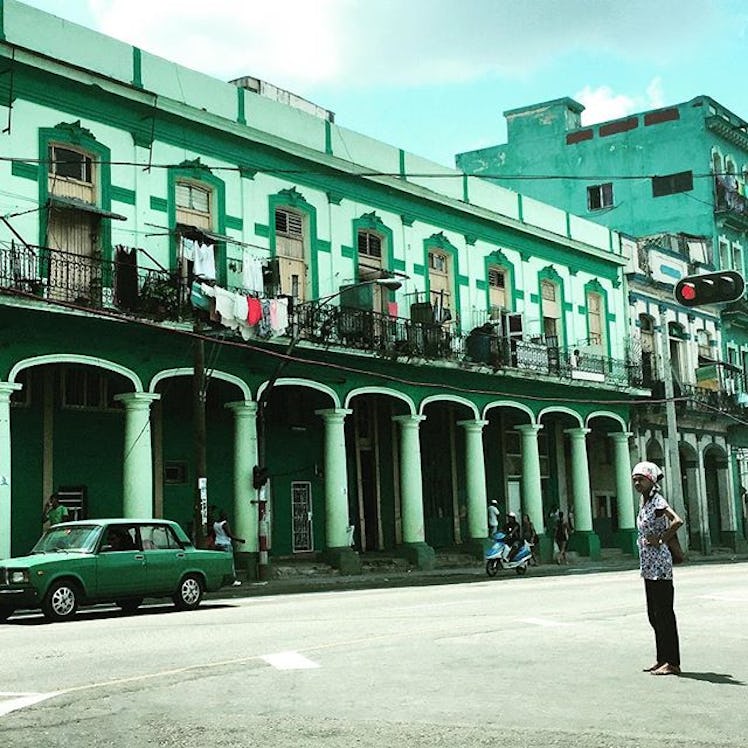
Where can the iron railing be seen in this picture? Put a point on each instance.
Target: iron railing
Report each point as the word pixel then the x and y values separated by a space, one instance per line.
pixel 93 282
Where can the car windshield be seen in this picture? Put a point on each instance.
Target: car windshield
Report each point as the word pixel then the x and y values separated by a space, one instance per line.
pixel 76 538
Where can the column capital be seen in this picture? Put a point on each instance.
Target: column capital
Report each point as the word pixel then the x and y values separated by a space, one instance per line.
pixel 333 415
pixel 409 420
pixel 577 433
pixel 7 389
pixel 476 425
pixel 620 436
pixel 529 428
pixel 137 400
pixel 242 408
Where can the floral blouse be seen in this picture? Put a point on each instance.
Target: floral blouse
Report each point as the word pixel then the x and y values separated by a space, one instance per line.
pixel 655 561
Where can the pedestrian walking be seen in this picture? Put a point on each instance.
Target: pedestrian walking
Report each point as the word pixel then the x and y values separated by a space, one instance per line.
pixel 223 540
pixel 529 534
pixel 493 518
pixel 561 538
pixel 657 524
pixel 54 512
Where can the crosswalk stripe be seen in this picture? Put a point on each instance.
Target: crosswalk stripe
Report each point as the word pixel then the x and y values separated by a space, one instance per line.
pixel 289 661
pixel 21 701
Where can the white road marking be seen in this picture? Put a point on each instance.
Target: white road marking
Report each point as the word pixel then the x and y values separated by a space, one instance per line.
pixel 289 661
pixel 543 622
pixel 725 598
pixel 21 700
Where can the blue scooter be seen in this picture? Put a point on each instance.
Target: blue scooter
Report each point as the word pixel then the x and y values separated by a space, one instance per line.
pixel 497 556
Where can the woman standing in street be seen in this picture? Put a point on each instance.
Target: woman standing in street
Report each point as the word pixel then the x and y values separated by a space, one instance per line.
pixel 657 523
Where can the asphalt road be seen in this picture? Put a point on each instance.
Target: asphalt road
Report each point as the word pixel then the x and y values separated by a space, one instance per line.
pixel 552 661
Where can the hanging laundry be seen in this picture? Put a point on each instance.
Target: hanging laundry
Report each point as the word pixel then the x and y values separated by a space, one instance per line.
pixel 126 277
pixel 225 305
pixel 254 311
pixel 241 308
pixel 279 315
pixel 205 262
pixel 264 329
pixel 252 273
pixel 188 248
pixel 198 298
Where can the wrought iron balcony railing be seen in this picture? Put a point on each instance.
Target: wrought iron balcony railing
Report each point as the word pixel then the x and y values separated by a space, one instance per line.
pixel 120 287
pixel 91 281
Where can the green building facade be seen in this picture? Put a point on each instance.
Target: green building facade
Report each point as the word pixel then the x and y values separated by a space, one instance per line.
pixel 145 204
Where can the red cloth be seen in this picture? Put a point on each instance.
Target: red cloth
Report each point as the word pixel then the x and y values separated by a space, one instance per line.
pixel 254 311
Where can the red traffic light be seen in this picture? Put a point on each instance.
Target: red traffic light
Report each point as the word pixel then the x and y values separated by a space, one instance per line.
pixel 710 288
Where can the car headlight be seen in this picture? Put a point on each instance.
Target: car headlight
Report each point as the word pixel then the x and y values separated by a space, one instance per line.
pixel 18 576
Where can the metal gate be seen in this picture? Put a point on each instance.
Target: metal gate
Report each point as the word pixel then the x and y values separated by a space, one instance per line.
pixel 301 506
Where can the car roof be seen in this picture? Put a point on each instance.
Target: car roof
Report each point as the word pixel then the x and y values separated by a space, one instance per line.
pixel 117 521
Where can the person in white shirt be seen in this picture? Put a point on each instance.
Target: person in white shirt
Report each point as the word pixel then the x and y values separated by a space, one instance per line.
pixel 493 518
pixel 224 540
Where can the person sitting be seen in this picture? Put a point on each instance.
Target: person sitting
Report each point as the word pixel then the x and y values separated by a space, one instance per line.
pixel 513 534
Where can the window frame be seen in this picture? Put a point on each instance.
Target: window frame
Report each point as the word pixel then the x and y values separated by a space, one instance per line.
pixel 602 194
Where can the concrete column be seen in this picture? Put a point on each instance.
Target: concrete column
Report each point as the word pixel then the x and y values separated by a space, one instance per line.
pixel 411 493
pixel 337 551
pixel 624 491
pixel 245 458
pixel 137 462
pixel 475 475
pixel 532 497
pixel 6 390
pixel 704 539
pixel 584 540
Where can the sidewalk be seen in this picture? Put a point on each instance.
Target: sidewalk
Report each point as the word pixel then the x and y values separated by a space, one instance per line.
pixel 290 576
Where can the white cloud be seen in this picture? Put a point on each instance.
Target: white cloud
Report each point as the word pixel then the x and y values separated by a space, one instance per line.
pixel 295 43
pixel 602 103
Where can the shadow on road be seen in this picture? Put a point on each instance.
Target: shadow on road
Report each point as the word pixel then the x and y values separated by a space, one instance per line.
pixel 98 614
pixel 722 679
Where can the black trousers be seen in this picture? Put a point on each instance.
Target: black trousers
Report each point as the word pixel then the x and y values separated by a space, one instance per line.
pixel 660 594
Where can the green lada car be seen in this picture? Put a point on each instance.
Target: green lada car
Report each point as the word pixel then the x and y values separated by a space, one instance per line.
pixel 110 560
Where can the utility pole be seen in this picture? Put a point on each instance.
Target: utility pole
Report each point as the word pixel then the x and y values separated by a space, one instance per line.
pixel 199 391
pixel 672 453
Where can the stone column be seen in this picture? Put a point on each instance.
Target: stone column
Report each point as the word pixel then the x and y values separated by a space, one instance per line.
pixel 704 541
pixel 584 540
pixel 245 495
pixel 624 492
pixel 137 462
pixel 532 494
pixel 6 390
pixel 475 477
pixel 411 493
pixel 337 550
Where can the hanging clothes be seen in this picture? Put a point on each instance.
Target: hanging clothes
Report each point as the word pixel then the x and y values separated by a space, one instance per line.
pixel 225 305
pixel 254 311
pixel 198 298
pixel 279 315
pixel 188 249
pixel 252 273
pixel 126 277
pixel 205 262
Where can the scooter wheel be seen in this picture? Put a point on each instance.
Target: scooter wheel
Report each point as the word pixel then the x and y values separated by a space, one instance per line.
pixel 492 567
pixel 522 570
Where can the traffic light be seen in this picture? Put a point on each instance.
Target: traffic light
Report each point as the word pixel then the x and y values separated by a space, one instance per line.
pixel 710 288
pixel 259 476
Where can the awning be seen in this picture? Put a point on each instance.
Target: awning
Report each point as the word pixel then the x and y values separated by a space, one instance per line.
pixel 74 203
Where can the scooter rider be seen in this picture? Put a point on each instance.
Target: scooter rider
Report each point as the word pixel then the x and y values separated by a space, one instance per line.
pixel 513 533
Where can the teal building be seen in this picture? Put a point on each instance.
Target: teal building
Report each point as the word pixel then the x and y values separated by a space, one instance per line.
pixel 678 173
pixel 177 250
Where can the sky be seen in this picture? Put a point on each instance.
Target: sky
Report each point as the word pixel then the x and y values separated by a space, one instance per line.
pixel 434 76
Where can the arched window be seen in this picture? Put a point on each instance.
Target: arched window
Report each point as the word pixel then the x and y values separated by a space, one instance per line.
pixel 716 162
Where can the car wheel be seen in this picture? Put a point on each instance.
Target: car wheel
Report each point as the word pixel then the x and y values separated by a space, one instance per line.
pixel 61 601
pixel 492 567
pixel 5 613
pixel 130 605
pixel 522 569
pixel 190 593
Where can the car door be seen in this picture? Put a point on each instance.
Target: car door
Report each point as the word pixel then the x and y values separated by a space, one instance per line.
pixel 120 564
pixel 164 556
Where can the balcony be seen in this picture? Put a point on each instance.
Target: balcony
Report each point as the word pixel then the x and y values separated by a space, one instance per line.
pixel 90 282
pixel 731 200
pixel 117 288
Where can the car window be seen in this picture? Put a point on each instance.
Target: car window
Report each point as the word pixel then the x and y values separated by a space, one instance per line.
pixel 158 538
pixel 120 538
pixel 80 538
